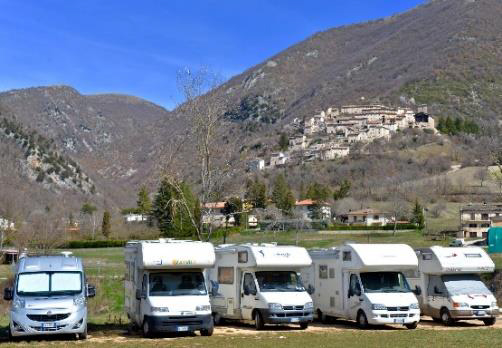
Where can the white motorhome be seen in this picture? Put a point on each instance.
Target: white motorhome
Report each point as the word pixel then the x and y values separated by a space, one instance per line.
pixel 363 282
pixel 451 287
pixel 165 289
pixel 260 283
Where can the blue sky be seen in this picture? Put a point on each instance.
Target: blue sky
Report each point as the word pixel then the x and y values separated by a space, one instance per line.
pixel 136 47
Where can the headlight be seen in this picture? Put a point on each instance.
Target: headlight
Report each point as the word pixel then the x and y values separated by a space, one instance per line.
pixel 160 309
pixel 460 304
pixel 494 304
pixel 378 307
pixel 275 306
pixel 309 305
pixel 414 306
pixel 77 301
pixel 204 308
pixel 18 303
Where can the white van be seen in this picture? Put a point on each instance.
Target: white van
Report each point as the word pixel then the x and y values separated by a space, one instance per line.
pixel 165 289
pixel 260 283
pixel 363 282
pixel 452 288
pixel 49 297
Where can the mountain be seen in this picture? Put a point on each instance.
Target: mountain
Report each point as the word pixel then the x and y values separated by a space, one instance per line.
pixel 444 53
pixel 112 138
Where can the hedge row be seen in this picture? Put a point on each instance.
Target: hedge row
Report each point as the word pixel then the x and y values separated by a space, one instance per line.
pixel 85 244
pixel 372 228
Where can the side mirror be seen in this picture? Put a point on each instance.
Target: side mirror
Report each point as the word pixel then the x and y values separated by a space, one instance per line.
pixel 246 291
pixel 91 291
pixel 357 292
pixel 437 291
pixel 310 289
pixel 417 290
pixel 8 294
pixel 253 292
pixel 138 294
pixel 351 293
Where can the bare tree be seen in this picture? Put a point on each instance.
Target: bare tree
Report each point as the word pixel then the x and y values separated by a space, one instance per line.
pixel 202 151
pixel 481 174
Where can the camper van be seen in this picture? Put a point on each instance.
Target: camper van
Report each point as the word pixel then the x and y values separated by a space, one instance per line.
pixel 49 296
pixel 364 282
pixel 451 287
pixel 260 283
pixel 165 289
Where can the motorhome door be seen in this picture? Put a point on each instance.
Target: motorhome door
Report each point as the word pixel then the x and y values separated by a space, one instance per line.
pixel 142 303
pixel 353 296
pixel 248 295
pixel 437 296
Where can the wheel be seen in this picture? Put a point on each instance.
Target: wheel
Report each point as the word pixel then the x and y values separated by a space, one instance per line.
pixel 362 321
pixel 11 338
pixel 217 319
pixel 436 320
pixel 490 321
pixel 83 335
pixel 446 318
pixel 207 332
pixel 258 321
pixel 145 329
pixel 412 326
pixel 304 326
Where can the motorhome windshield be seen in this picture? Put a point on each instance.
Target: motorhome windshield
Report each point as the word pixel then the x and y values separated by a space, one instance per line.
pixel 49 283
pixel 177 284
pixel 279 281
pixel 464 284
pixel 384 282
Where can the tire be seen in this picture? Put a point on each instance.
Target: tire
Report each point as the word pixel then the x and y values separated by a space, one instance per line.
pixel 258 321
pixel 304 326
pixel 9 333
pixel 446 318
pixel 412 326
pixel 145 329
pixel 207 332
pixel 217 319
pixel 362 321
pixel 490 321
pixel 83 335
pixel 436 320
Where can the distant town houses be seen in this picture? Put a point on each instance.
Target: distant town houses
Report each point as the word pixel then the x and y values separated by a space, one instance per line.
pixel 135 218
pixel 367 217
pixel 330 134
pixel 476 219
pixel 6 224
pixel 306 210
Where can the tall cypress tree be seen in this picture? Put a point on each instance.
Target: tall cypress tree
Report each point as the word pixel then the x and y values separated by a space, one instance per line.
pixel 106 227
pixel 143 203
pixel 282 195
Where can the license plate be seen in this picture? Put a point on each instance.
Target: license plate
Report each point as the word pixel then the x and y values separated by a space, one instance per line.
pixel 480 313
pixel 48 325
pixel 295 320
pixel 399 321
pixel 187 313
pixel 182 328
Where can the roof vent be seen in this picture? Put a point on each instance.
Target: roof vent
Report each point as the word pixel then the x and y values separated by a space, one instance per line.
pixel 67 253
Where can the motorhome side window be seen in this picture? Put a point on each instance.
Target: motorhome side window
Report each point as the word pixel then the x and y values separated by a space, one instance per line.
pixel 323 271
pixel 331 273
pixel 225 275
pixel 354 284
pixel 249 284
pixel 436 286
pixel 347 256
pixel 242 256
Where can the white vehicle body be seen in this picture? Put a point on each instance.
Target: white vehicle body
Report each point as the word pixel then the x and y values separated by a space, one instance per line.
pixel 49 297
pixel 165 289
pixel 363 282
pixel 260 282
pixel 450 283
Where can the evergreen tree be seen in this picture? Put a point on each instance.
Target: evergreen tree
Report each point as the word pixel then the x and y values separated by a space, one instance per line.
pixel 143 203
pixel 283 142
pixel 459 125
pixel 343 190
pixel 418 217
pixel 176 209
pixel 282 195
pixel 233 207
pixel 318 192
pixel 441 125
pixel 106 227
pixel 449 126
pixel 256 193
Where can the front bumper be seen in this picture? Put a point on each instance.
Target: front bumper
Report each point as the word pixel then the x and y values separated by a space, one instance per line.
pixel 21 325
pixel 377 317
pixel 286 317
pixel 179 323
pixel 474 313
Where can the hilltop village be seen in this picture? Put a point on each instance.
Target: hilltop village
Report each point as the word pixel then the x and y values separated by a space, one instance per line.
pixel 331 133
